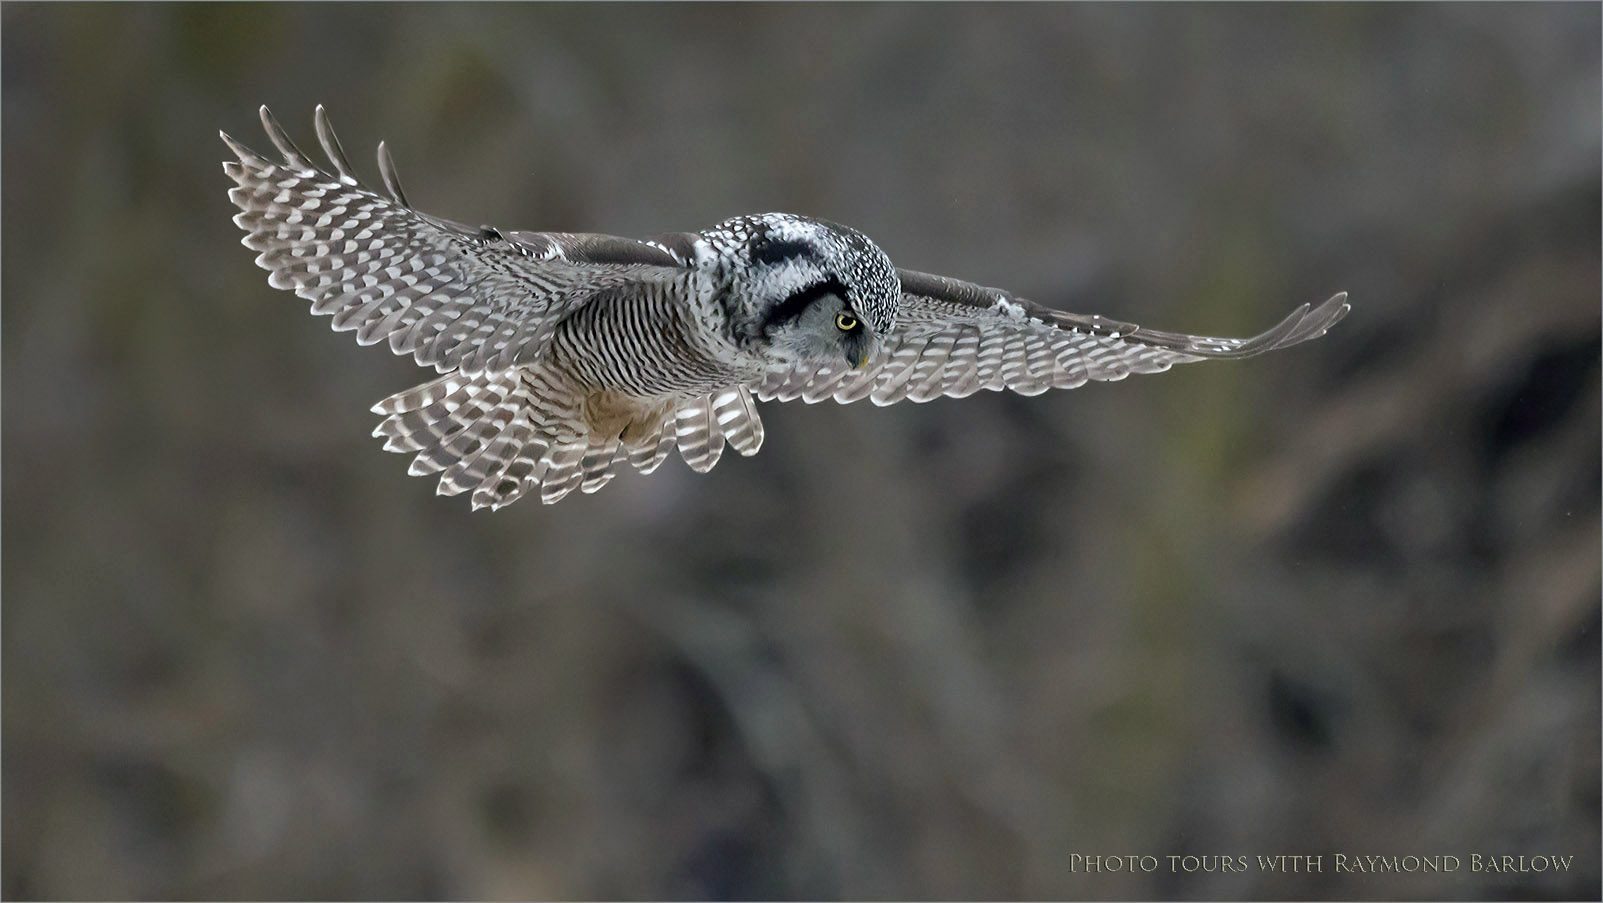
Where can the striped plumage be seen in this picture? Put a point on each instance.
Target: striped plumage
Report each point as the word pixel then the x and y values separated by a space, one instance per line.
pixel 566 355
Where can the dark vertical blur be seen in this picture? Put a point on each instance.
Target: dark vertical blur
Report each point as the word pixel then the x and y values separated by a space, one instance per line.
pixel 1339 599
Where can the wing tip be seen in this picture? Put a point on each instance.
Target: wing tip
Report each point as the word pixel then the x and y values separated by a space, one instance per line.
pixel 1304 324
pixel 1276 336
pixel 387 173
pixel 1318 321
pixel 331 145
pixel 293 155
pixel 243 153
pixel 281 140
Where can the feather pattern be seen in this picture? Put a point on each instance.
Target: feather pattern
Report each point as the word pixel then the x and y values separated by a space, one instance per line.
pixel 650 453
pixel 565 356
pixel 955 338
pixel 453 297
pixel 696 431
pixel 737 419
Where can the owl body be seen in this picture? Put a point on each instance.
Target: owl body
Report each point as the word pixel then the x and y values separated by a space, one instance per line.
pixel 657 344
pixel 566 356
pixel 656 351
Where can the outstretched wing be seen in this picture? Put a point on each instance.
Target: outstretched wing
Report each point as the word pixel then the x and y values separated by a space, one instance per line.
pixel 955 338
pixel 452 296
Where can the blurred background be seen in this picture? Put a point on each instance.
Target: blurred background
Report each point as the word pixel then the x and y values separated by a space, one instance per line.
pixel 1343 598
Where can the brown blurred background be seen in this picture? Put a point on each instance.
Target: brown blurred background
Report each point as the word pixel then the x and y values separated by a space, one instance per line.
pixel 1339 599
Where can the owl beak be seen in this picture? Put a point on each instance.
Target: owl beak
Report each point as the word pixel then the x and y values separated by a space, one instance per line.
pixel 861 361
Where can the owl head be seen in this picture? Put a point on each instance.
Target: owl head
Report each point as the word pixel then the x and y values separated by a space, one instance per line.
pixel 806 290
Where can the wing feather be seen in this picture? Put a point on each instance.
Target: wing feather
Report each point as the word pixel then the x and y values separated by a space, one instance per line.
pixel 954 338
pixel 452 296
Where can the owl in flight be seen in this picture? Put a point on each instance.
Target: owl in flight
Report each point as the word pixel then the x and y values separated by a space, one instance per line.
pixel 565 356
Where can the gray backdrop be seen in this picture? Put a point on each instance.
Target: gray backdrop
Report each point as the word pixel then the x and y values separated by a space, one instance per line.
pixel 1342 599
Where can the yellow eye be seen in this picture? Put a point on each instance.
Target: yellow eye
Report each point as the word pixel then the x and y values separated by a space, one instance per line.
pixel 845 322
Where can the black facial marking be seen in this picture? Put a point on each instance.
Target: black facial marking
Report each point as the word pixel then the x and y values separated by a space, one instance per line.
pixel 792 307
pixel 853 344
pixel 775 252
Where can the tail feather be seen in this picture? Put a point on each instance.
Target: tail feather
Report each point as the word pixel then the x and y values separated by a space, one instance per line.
pixel 480 422
pixel 737 419
pixel 422 396
pixel 503 435
pixel 653 448
pixel 476 458
pixel 420 427
pixel 522 470
pixel 562 473
pixel 456 426
pixel 701 443
pixel 597 464
pixel 488 475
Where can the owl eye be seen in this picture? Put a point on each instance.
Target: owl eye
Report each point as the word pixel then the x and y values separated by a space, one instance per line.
pixel 845 322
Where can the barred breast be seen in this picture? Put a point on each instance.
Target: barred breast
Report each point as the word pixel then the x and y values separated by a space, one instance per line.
pixel 644 341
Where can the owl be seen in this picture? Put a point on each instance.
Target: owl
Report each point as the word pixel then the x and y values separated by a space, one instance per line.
pixel 564 357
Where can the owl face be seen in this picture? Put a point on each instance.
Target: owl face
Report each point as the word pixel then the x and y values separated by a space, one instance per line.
pixel 818 292
pixel 818 324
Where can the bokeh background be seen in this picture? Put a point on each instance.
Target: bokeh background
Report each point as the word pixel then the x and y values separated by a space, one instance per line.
pixel 1339 599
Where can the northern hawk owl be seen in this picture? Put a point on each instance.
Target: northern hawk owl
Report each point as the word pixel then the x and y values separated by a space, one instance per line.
pixel 567 355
